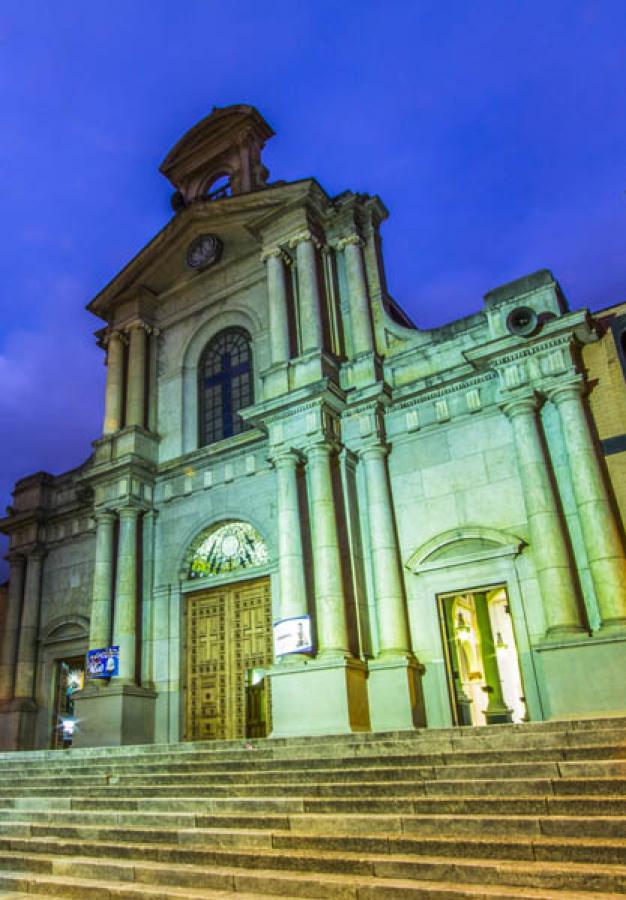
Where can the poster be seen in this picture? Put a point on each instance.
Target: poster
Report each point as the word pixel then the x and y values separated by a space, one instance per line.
pixel 103 663
pixel 292 636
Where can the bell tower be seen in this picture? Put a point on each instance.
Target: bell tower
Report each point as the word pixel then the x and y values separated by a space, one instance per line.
pixel 226 144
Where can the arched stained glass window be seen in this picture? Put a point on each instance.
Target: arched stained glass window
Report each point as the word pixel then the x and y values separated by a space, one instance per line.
pixel 224 385
pixel 228 548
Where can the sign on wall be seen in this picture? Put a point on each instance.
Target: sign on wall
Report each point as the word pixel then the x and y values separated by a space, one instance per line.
pixel 292 636
pixel 103 663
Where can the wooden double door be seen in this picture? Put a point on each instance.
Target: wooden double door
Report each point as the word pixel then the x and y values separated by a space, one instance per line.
pixel 228 651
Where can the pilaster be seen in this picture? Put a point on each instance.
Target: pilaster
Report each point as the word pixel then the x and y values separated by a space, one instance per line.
pixel 29 627
pixel 8 647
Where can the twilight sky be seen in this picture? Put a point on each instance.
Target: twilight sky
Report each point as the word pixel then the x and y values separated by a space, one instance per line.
pixel 494 131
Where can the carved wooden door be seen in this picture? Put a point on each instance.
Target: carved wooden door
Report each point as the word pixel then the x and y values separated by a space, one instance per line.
pixel 229 645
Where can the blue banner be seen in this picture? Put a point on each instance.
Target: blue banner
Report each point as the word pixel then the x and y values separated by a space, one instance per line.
pixel 103 663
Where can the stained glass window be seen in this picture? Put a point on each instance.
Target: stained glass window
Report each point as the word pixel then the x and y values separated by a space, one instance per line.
pixel 228 548
pixel 224 385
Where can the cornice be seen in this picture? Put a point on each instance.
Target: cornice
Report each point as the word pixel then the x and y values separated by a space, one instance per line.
pixel 429 394
pixel 222 451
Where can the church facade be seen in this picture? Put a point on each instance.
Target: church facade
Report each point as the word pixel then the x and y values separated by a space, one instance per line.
pixel 304 514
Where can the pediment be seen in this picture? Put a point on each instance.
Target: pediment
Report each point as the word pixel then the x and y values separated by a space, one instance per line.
pixel 66 628
pixel 238 222
pixel 461 545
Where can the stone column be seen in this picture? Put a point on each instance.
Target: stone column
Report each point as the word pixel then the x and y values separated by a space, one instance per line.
pixel 29 627
pixel 102 597
pixel 278 306
pixel 8 647
pixel 292 583
pixel 497 710
pixel 548 545
pixel 115 383
pixel 332 632
pixel 309 293
pixel 603 543
pixel 152 381
pixel 360 314
pixel 147 636
pixel 125 619
pixel 136 393
pixel 393 632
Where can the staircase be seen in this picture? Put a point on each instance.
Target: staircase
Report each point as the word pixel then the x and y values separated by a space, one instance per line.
pixel 508 811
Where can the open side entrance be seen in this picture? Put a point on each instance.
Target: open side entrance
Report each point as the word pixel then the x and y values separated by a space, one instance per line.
pixel 69 676
pixel 481 657
pixel 228 651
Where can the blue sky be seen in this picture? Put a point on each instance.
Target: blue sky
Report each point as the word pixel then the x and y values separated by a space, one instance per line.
pixel 493 131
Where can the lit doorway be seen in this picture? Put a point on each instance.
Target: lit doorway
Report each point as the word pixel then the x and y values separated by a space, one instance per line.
pixel 481 657
pixel 69 677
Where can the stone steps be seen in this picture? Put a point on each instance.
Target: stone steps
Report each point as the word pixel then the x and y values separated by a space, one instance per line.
pixel 538 734
pixel 392 755
pixel 403 791
pixel 206 765
pixel 613 768
pixel 181 826
pixel 371 878
pixel 238 886
pixel 502 812
pixel 332 852
pixel 227 810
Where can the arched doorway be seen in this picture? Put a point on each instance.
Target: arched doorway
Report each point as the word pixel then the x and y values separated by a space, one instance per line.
pixel 482 657
pixel 228 635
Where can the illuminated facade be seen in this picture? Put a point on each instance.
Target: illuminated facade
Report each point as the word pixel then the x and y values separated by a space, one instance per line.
pixel 420 521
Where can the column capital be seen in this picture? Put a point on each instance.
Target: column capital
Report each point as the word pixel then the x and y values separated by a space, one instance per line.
pixel 305 236
pixel 105 515
pixel 570 390
pixel 16 560
pixel 521 406
pixel 350 240
pixel 287 458
pixel 114 335
pixel 275 253
pixel 373 451
pixel 129 512
pixel 320 450
pixel 38 552
pixel 139 324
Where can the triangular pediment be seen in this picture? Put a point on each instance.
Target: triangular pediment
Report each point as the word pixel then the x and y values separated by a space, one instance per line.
pixel 238 223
